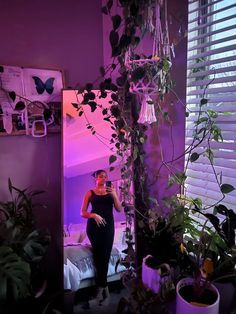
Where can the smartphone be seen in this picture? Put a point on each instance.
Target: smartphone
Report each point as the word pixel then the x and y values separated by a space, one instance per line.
pixel 108 184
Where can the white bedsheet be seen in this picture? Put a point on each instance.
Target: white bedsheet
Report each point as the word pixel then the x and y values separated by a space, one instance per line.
pixel 73 275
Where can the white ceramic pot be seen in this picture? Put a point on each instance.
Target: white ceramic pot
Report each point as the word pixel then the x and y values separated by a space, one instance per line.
pixel 184 307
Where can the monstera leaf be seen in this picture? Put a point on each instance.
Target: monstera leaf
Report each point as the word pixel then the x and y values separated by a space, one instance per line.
pixel 36 245
pixel 14 276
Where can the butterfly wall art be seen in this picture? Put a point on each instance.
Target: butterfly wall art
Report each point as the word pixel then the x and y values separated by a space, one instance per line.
pixel 42 87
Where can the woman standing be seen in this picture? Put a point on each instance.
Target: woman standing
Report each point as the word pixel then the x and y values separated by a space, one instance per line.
pixel 100 230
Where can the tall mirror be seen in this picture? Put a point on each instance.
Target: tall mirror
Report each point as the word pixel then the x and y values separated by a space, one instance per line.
pixel 86 148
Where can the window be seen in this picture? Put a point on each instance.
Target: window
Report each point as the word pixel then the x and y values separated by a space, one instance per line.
pixel 212 74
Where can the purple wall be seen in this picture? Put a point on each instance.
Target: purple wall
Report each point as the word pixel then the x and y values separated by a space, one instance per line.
pixel 65 35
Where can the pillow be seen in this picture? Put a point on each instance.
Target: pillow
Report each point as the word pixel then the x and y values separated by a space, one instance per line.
pixel 74 234
pixel 119 237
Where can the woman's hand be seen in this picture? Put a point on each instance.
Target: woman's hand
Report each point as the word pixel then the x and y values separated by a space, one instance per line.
pixel 99 220
pixel 111 190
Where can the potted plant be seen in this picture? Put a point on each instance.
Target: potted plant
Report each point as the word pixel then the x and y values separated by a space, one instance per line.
pixel 208 256
pixel 209 246
pixel 22 248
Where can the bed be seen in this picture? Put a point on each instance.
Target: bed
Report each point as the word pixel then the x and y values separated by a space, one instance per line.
pixel 79 270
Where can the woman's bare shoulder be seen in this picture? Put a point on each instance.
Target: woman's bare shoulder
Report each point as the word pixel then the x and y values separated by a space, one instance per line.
pixel 88 193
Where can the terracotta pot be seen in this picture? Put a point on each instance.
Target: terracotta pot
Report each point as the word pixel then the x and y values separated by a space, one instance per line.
pixel 183 306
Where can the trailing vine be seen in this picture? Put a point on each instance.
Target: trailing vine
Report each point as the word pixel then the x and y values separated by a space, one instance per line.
pixel 129 137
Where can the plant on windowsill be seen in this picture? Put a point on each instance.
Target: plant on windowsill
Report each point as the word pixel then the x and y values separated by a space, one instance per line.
pixel 209 252
pixel 22 248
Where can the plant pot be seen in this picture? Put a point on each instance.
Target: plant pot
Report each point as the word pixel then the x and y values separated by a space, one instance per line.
pixel 227 291
pixel 209 304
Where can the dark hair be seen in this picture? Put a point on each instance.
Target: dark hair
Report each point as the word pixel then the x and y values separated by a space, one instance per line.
pixel 97 172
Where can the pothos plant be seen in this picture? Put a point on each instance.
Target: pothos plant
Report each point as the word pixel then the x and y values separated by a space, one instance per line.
pixel 128 137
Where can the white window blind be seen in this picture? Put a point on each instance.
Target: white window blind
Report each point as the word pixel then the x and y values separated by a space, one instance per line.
pixel 211 72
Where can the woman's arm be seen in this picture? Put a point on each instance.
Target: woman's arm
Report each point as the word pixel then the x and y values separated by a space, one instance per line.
pixel 117 203
pixel 85 214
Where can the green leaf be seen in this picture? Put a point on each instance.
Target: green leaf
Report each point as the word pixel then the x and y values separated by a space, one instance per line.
pixel 14 275
pixel 116 20
pixel 137 74
pixel 12 95
pixel 221 209
pixel 20 105
pixel 112 159
pixel 213 114
pixel 89 87
pixel 93 105
pixel 210 154
pixel 194 157
pixel 226 188
pixel 75 105
pixel 104 10
pixel 114 38
pixel 114 97
pixel 200 120
pixel 203 101
pixel 197 201
pixel 102 71
pixel 91 95
pixel 10 185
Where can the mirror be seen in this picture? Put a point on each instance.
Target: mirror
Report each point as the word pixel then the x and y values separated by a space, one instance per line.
pixel 86 148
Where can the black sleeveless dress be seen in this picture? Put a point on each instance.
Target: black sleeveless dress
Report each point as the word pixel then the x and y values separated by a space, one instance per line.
pixel 101 237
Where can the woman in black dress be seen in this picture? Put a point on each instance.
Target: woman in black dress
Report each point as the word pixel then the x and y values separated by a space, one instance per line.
pixel 100 230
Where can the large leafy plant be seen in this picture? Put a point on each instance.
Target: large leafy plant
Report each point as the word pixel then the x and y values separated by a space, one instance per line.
pixel 22 246
pixel 208 243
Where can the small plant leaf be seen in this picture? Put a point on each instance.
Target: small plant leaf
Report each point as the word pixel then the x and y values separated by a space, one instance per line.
pixel 203 101
pixel 10 185
pixel 102 71
pixel 12 95
pixel 114 38
pixel 194 157
pixel 93 105
pixel 226 188
pixel 112 159
pixel 75 105
pixel 116 20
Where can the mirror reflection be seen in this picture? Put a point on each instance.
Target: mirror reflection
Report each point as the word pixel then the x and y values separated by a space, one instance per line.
pixel 86 149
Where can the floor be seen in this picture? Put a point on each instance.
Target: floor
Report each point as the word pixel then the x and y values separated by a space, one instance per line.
pixel 117 291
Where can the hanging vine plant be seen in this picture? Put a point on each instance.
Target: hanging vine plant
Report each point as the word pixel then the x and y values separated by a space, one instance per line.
pixel 129 136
